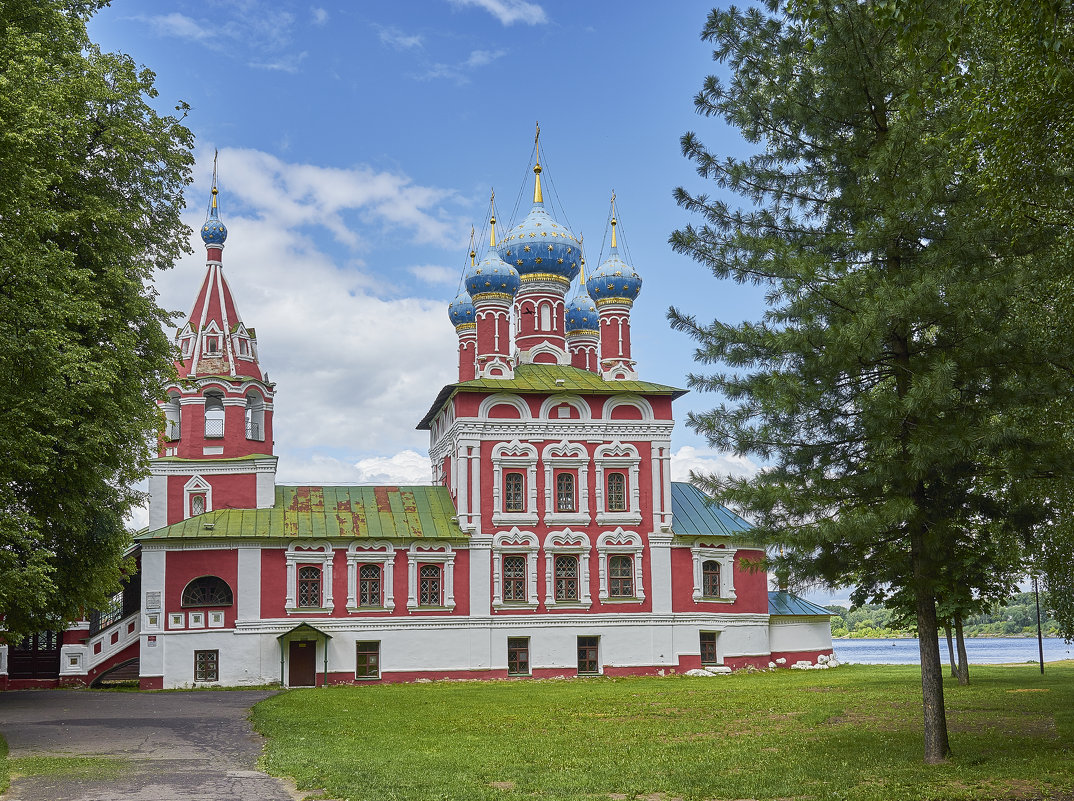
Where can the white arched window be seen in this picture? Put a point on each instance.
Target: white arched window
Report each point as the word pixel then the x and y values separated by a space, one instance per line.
pixel 714 572
pixel 619 566
pixel 546 316
pixel 567 579
pixel 214 414
pixel 514 570
pixel 171 417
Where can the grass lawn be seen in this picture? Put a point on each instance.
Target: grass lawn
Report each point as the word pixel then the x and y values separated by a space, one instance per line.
pixel 853 733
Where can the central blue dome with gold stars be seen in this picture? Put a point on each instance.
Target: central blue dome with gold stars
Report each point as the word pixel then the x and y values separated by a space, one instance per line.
pixel 539 245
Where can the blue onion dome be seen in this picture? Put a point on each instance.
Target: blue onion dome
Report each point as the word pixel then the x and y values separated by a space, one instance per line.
pixel 461 310
pixel 615 280
pixel 539 245
pixel 213 232
pixel 491 276
pixel 582 315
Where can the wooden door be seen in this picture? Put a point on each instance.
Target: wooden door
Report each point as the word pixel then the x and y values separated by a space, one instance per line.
pixel 35 657
pixel 302 663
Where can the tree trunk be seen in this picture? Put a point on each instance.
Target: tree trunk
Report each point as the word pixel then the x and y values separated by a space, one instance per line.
pixel 950 649
pixel 937 746
pixel 963 662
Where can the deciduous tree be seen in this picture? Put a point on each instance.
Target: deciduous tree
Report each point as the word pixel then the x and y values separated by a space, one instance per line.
pixel 91 180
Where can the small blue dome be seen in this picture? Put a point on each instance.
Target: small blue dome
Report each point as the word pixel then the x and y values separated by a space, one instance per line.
pixel 614 280
pixel 213 232
pixel 582 315
pixel 461 310
pixel 541 245
pixel 491 276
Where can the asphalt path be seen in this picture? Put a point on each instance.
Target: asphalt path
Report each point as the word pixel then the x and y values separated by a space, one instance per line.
pixel 174 746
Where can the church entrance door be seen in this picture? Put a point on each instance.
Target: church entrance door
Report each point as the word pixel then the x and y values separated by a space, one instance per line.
pixel 36 656
pixel 302 663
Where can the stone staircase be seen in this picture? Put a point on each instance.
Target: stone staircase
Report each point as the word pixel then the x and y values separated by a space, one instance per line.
pixel 123 674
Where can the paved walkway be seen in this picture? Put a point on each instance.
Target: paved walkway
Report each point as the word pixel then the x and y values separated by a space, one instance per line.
pixel 177 746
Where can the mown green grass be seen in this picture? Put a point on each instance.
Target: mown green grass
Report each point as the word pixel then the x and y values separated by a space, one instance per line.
pixel 849 733
pixel 5 768
pixel 73 767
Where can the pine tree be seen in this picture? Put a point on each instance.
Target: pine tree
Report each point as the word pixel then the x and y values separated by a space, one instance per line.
pixel 883 387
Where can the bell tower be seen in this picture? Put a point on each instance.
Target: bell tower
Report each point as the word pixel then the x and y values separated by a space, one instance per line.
pixel 216 448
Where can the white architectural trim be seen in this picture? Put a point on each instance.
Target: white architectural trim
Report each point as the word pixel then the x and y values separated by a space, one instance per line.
pixel 702 552
pixel 197 486
pixel 438 553
pixel 638 402
pixel 509 543
pixel 309 553
pixel 564 455
pixel 518 403
pixel 627 543
pixel 618 456
pixel 514 456
pixel 365 553
pixel 567 542
pixel 574 401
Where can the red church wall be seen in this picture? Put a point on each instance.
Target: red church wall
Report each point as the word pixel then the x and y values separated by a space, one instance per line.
pixel 751 588
pixel 229 492
pixel 181 567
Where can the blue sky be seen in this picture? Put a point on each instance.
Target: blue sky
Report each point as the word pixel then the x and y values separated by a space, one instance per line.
pixel 358 144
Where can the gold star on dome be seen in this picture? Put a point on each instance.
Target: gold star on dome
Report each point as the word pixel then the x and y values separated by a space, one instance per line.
pixel 532 234
pixel 619 272
pixel 549 248
pixel 519 262
pixel 526 249
pixel 538 259
pixel 569 250
pixel 559 261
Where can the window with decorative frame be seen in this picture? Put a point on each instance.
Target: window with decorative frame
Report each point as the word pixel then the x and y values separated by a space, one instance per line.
pixel 309 587
pixel 708 648
pixel 206 666
pixel 518 656
pixel 430 576
pixel 567 569
pixel 619 565
pixel 713 572
pixel 514 570
pixel 514 483
pixel 370 575
pixel 566 483
pixel 429 585
pixel 207 591
pixel 367 659
pixel 320 556
pixel 618 488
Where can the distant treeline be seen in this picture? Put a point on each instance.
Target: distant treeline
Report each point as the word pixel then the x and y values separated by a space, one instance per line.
pixel 1013 618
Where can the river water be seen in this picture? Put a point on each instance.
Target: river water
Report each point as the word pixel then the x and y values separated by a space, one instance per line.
pixel 979 650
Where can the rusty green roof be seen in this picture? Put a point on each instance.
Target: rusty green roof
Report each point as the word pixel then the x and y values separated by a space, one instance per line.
pixel 545 379
pixel 329 513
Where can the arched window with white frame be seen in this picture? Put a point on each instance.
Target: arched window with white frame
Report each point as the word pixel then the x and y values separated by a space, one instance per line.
pixel 430 576
pixel 567 570
pixel 618 484
pixel 620 566
pixel 514 484
pixel 309 590
pixel 514 570
pixel 713 571
pixel 566 483
pixel 370 576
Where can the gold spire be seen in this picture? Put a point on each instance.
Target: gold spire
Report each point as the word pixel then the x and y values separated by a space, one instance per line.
pixel 581 261
pixel 473 250
pixel 613 218
pixel 216 153
pixel 537 196
pixel 492 219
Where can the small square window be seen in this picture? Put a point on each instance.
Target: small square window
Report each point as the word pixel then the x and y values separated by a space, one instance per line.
pixel 206 666
pixel 708 648
pixel 367 660
pixel 587 655
pixel 518 656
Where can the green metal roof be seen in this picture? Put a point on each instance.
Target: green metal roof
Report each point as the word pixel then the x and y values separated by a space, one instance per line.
pixel 328 513
pixel 783 603
pixel 695 514
pixel 546 379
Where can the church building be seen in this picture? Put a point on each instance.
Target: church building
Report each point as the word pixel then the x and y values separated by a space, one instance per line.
pixel 551 542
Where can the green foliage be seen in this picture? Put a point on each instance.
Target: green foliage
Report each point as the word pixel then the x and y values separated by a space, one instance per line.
pixel 91 180
pixel 848 733
pixel 1014 617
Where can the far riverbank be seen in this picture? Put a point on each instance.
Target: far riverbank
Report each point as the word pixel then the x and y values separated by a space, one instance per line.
pixel 979 650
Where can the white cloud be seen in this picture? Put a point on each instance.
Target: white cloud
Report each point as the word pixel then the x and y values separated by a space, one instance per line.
pixel 179 26
pixel 288 64
pixel 435 274
pixel 479 58
pixel 393 37
pixel 689 459
pixel 508 12
pixel 407 467
pixel 320 15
